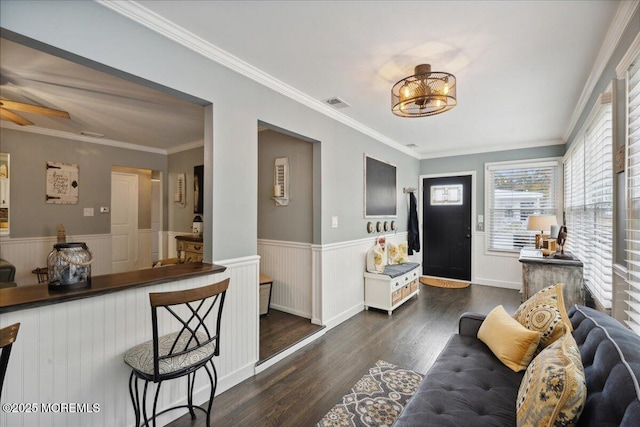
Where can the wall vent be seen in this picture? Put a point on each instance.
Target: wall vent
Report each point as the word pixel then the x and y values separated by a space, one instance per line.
pixel 336 102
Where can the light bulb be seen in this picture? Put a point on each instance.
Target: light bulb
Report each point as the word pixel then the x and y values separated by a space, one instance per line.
pixel 405 92
pixel 438 103
pixel 446 89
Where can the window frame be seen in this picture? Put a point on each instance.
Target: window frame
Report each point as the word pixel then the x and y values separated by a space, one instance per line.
pixel 489 167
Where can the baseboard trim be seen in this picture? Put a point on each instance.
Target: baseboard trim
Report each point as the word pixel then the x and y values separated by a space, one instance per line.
pixel 298 313
pixel 289 351
pixel 344 316
pixel 497 283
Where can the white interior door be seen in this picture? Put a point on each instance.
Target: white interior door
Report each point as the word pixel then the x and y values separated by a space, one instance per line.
pixel 124 222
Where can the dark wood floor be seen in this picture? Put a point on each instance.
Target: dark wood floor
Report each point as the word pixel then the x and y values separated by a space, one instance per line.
pixel 280 330
pixel 299 390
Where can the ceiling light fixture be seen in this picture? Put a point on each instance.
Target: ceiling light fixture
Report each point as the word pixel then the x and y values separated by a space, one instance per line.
pixel 425 93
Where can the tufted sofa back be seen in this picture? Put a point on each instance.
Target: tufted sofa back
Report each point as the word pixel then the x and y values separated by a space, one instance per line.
pixel 611 358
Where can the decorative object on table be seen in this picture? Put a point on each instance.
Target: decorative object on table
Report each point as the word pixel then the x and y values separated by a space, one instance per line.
pixel 62 234
pixel 198 189
pixel 281 181
pixel 69 266
pixel 197 226
pixel 562 239
pixel 377 399
pixel 541 223
pixel 62 183
pixel 380 188
pixel 444 283
pixel 425 93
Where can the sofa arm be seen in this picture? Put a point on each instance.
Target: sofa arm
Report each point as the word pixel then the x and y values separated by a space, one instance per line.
pixel 469 324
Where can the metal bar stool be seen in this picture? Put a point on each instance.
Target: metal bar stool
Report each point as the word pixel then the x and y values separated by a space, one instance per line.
pixel 180 353
pixel 7 338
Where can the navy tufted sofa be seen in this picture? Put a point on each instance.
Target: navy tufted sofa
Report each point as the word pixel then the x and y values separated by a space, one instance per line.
pixel 468 386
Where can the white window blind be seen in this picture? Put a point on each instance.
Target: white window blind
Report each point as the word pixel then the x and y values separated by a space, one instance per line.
pixel 633 195
pixel 588 202
pixel 513 192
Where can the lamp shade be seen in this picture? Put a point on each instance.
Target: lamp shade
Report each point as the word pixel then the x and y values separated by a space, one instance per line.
pixel 541 222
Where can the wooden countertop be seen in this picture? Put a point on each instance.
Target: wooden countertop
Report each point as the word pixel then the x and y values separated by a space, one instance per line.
pixel 13 299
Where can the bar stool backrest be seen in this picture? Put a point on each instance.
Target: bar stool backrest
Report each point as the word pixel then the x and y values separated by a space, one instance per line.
pixel 191 309
pixel 7 338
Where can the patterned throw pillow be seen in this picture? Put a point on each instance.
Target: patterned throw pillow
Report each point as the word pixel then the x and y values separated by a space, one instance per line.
pixel 553 390
pixel 545 312
pixel 376 259
pixel 398 254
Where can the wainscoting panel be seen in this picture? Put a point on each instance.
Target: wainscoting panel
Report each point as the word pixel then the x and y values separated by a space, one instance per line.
pixel 343 266
pixel 502 271
pixel 289 265
pixel 72 352
pixel 31 252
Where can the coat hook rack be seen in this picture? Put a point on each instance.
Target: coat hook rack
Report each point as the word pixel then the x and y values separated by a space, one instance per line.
pixel 407 190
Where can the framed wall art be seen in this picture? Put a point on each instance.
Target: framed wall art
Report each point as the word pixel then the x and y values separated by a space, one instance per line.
pixel 62 183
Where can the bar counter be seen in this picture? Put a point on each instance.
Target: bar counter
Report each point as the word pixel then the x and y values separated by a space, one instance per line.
pixel 22 297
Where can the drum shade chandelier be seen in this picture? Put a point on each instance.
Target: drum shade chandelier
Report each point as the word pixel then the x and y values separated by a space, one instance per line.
pixel 426 93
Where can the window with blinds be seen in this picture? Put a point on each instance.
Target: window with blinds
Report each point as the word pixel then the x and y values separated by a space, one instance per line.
pixel 588 201
pixel 633 195
pixel 513 192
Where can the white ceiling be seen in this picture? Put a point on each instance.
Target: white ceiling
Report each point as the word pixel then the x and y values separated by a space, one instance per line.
pixel 521 65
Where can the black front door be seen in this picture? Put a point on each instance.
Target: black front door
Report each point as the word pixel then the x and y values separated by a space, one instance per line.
pixel 446 227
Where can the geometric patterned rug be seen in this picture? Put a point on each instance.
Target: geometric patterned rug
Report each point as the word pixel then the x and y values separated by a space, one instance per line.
pixel 443 283
pixel 377 399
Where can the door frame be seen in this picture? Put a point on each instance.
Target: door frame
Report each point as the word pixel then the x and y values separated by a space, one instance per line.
pixel 473 210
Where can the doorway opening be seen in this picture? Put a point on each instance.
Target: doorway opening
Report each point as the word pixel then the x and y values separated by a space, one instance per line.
pixel 288 226
pixel 447 218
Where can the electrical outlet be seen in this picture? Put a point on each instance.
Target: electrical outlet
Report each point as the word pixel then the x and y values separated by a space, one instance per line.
pixel 104 209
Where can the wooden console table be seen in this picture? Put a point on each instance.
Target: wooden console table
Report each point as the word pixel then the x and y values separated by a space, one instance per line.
pixel 539 271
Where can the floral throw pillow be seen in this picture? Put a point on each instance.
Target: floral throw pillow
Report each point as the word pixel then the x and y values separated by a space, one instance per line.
pixel 545 312
pixel 398 254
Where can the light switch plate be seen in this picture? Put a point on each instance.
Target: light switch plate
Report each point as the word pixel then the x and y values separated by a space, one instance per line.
pixel 334 222
pixel 88 211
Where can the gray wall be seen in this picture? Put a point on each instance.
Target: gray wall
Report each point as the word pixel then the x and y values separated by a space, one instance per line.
pixel 475 162
pixel 294 222
pixel 181 218
pixel 87 29
pixel 31 216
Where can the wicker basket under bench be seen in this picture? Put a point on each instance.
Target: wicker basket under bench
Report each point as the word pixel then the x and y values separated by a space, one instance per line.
pixel 389 290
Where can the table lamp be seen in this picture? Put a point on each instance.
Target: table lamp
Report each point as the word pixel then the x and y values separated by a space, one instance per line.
pixel 540 223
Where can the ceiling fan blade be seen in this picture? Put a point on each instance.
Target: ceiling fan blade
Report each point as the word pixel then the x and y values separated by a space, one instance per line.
pixel 29 108
pixel 13 117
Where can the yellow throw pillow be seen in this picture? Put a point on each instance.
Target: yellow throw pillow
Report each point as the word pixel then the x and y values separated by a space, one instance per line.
pixel 397 254
pixel 545 312
pixel 553 390
pixel 511 342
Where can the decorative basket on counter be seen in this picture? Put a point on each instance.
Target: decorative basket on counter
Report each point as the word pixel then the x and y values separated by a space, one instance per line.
pixel 69 266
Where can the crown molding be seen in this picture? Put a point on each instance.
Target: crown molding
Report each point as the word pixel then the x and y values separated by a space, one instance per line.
pixel 185 147
pixel 76 137
pixel 623 15
pixel 491 149
pixel 628 58
pixel 143 16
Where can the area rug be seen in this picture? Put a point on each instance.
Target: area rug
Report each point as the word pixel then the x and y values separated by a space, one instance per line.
pixel 377 399
pixel 443 283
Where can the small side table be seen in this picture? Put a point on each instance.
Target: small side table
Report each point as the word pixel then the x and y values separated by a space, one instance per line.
pixel 266 283
pixel 538 272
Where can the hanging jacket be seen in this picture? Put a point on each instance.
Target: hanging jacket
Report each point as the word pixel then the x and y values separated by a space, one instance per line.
pixel 412 227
